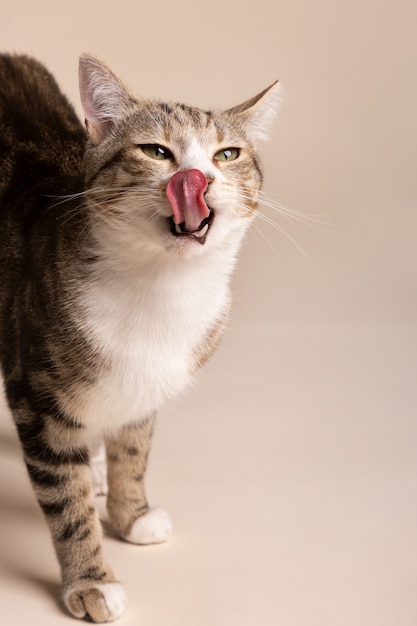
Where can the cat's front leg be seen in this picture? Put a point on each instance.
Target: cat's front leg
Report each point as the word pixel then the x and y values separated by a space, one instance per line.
pixel 130 515
pixel 57 461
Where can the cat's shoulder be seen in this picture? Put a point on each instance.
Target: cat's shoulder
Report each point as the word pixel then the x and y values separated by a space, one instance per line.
pixel 28 90
pixel 37 122
pixel 21 62
pixel 20 73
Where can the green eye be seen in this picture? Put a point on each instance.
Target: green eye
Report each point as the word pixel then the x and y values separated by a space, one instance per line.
pixel 155 151
pixel 229 154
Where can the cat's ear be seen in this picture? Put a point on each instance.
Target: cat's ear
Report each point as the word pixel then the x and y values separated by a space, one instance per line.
pixel 258 113
pixel 104 97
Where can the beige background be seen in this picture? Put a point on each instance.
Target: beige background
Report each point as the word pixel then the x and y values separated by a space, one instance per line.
pixel 290 471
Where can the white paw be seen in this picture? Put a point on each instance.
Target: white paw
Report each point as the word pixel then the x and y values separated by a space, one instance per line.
pixel 153 527
pixel 98 469
pixel 99 603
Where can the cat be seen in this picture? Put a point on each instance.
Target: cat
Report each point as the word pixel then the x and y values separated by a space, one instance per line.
pixel 117 244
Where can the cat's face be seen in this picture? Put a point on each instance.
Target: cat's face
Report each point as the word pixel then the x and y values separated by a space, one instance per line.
pixel 172 178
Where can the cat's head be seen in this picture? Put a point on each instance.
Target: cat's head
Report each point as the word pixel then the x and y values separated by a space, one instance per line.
pixel 172 178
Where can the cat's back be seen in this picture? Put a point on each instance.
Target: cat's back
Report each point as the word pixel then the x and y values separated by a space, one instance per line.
pixel 42 145
pixel 40 134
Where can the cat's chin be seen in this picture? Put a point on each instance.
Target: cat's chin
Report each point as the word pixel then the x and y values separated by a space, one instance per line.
pixel 184 246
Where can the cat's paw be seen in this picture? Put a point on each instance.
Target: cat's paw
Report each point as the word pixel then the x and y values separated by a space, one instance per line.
pixel 97 603
pixel 153 527
pixel 98 469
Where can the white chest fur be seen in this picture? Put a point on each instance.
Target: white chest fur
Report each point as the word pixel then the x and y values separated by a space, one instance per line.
pixel 147 326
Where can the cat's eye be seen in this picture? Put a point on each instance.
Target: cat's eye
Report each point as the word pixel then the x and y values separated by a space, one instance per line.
pixel 155 151
pixel 228 154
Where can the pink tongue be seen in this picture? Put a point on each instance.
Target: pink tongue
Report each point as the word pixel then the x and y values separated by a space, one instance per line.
pixel 185 192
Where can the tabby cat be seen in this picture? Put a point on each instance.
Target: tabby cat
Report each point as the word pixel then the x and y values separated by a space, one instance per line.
pixel 117 244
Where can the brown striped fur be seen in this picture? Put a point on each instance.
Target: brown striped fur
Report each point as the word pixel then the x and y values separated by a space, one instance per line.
pixel 82 215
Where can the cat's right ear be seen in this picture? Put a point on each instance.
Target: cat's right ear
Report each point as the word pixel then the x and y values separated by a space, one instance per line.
pixel 258 113
pixel 104 97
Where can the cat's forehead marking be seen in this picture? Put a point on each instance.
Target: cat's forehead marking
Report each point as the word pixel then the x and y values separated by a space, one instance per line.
pixel 184 120
pixel 165 107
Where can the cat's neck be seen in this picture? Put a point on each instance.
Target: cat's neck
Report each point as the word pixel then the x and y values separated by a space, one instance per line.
pixel 133 264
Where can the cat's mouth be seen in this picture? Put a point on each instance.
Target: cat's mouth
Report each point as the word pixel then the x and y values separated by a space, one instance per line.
pixel 191 216
pixel 200 234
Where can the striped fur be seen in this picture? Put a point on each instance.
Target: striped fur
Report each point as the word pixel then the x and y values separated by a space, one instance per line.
pixel 105 314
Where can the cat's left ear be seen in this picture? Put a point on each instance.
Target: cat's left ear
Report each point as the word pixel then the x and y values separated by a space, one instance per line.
pixel 104 97
pixel 258 113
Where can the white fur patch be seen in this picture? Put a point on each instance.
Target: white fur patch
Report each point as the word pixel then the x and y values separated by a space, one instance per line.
pixel 146 323
pixel 196 156
pixel 109 607
pixel 98 469
pixel 115 598
pixel 153 527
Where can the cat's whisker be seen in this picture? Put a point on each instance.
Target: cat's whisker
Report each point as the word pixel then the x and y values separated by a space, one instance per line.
pixel 97 203
pixel 261 235
pixel 97 191
pixel 70 214
pixel 277 227
pixel 301 218
pixel 265 200
pixel 64 198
